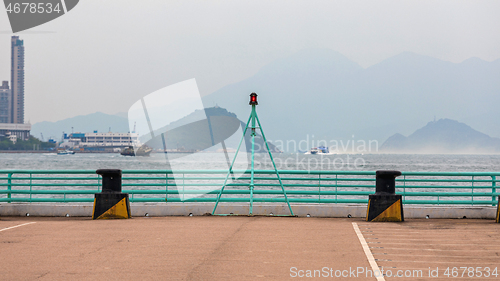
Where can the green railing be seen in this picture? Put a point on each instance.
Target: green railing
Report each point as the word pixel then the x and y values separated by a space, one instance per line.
pixel 440 188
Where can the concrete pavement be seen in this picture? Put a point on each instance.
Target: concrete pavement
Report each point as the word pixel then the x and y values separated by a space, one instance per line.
pixel 240 248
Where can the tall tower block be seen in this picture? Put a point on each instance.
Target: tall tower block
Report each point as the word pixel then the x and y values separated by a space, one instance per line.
pixel 5 104
pixel 17 81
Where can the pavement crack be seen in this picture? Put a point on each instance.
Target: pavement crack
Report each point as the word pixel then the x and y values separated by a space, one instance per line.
pixel 42 275
pixel 217 252
pixel 96 250
pixel 82 255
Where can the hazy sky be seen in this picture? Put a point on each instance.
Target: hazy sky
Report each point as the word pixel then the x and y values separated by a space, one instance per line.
pixel 106 54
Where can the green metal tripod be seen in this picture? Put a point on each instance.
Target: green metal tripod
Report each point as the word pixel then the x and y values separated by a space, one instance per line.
pixel 251 120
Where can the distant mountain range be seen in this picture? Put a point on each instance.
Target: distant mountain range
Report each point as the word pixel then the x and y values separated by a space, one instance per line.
pixel 442 136
pixel 187 133
pixel 203 129
pixel 98 121
pixel 323 93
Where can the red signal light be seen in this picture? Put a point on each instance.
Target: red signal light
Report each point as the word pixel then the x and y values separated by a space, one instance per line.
pixel 253 99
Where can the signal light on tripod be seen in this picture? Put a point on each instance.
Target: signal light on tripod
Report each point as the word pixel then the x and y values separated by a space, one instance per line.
pixel 253 99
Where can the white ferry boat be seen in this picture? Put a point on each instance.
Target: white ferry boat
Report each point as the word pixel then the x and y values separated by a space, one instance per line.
pixel 65 152
pixel 319 150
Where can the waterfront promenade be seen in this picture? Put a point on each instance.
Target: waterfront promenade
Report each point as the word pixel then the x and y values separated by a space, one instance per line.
pixel 242 248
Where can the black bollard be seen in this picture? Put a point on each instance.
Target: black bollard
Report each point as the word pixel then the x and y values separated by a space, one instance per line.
pixel 111 203
pixel 385 204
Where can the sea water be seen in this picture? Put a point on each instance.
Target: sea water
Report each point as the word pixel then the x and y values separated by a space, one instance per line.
pixel 283 161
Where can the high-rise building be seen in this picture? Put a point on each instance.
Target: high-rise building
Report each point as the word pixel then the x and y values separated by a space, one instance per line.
pixel 17 81
pixel 7 129
pixel 12 100
pixel 5 103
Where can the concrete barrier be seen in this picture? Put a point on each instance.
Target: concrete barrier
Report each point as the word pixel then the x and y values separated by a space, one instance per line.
pixel 200 209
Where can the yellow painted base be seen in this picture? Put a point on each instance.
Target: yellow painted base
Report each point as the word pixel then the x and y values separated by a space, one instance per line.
pixel 118 211
pixel 393 213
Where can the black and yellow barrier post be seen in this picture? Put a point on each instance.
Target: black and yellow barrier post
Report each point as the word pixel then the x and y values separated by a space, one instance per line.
pixel 111 203
pixel 498 211
pixel 385 204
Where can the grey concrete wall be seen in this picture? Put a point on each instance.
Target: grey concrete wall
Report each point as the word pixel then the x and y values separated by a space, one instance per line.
pixel 199 209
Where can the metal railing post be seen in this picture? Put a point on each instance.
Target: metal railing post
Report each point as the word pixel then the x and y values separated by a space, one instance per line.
pixel 9 186
pixel 336 188
pixel 472 191
pixel 404 188
pixel 31 186
pixel 319 188
pixel 493 191
pixel 166 187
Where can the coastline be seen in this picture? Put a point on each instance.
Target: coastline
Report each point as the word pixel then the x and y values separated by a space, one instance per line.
pixel 26 151
pixel 53 152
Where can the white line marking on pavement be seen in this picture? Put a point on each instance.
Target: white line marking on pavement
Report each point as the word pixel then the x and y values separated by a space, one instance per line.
pixel 438 250
pixel 7 228
pixel 368 253
pixel 445 262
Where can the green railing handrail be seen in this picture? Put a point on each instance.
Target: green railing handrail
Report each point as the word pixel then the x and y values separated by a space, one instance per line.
pixel 479 188
pixel 298 172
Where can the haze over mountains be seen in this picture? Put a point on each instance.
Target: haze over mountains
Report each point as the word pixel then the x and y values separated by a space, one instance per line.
pixel 203 130
pixel 442 136
pixel 99 121
pixel 190 133
pixel 323 94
